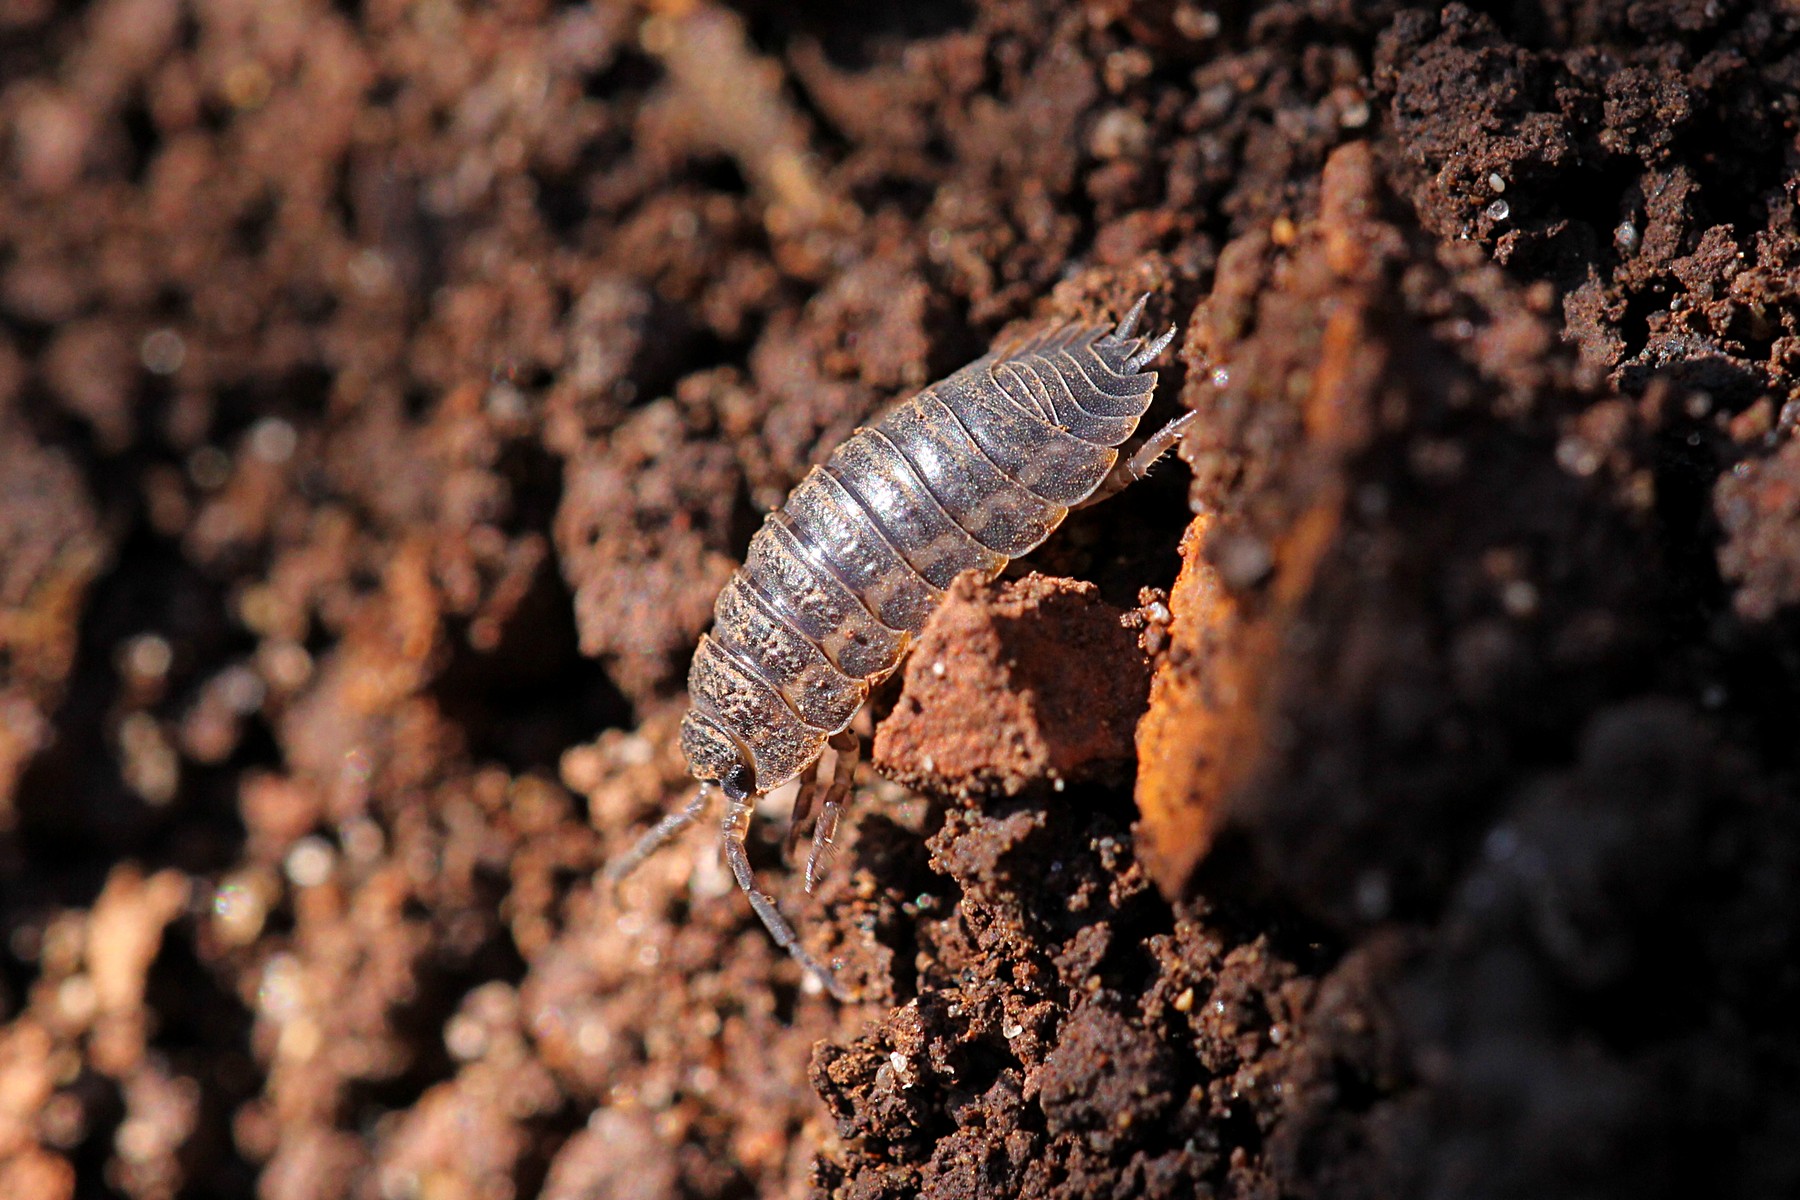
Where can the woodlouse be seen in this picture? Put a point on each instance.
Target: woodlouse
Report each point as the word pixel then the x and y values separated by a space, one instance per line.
pixel 967 475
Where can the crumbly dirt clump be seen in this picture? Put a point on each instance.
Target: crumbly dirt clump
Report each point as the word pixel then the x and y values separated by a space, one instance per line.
pixel 386 390
pixel 1040 668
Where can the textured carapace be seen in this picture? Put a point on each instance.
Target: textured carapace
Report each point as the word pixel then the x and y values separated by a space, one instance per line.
pixel 967 475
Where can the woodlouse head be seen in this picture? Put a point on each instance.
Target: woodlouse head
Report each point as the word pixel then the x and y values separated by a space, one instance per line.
pixel 739 783
pixel 712 755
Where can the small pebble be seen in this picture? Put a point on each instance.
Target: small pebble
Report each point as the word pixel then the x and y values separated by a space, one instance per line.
pixel 273 440
pixel 310 862
pixel 162 352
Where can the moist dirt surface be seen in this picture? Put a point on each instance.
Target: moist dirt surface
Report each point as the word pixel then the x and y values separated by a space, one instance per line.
pixel 1397 796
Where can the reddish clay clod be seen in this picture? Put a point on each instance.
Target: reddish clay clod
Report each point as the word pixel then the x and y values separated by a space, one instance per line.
pixel 1028 682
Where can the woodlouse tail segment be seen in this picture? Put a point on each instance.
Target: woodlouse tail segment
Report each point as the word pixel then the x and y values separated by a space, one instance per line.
pixel 737 820
pixel 658 836
pixel 1083 379
pixel 1147 355
pixel 1128 323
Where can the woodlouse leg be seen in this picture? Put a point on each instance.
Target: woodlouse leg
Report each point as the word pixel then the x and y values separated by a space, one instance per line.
pixel 1157 445
pixel 1129 470
pixel 737 820
pixel 658 836
pixel 804 803
pixel 843 773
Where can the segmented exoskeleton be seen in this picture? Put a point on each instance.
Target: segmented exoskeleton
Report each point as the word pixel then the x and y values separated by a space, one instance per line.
pixel 967 475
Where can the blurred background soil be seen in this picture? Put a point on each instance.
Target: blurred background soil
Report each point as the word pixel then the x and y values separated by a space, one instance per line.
pixel 386 389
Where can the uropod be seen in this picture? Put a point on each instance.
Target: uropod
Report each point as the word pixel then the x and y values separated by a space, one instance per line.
pixel 968 475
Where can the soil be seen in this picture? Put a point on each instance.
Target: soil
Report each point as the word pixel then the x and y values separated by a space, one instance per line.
pixel 386 390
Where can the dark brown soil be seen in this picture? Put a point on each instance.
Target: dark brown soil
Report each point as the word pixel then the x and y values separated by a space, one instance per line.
pixel 385 391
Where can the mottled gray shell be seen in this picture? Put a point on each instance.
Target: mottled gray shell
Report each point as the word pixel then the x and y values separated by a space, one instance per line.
pixel 970 473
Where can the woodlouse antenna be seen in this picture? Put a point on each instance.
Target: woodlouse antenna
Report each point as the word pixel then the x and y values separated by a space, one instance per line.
pixel 658 836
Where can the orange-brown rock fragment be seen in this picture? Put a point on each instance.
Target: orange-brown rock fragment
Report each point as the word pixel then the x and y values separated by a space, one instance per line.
pixel 39 1174
pixel 1192 740
pixel 51 548
pixel 1759 507
pixel 1208 725
pixel 1394 586
pixel 1014 683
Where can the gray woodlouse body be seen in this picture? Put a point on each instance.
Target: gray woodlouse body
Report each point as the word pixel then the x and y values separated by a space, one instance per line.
pixel 967 475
